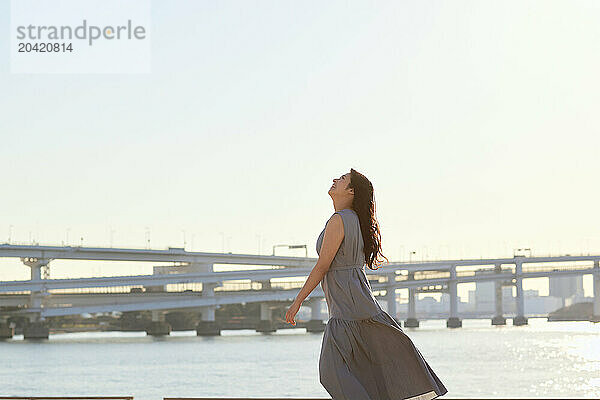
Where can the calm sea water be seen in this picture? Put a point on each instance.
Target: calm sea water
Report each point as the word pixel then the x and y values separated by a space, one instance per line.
pixel 542 359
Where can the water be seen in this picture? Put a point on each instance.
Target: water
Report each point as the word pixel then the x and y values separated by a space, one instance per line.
pixel 542 359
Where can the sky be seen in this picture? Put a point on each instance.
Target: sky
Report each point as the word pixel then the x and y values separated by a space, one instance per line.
pixel 476 122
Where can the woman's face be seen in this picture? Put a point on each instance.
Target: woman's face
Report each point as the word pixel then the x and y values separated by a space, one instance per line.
pixel 339 186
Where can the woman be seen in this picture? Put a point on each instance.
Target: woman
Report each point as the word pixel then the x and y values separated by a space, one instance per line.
pixel 365 355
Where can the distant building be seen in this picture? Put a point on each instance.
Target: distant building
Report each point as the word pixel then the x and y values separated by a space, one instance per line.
pixel 483 298
pixel 536 304
pixel 429 305
pixel 566 288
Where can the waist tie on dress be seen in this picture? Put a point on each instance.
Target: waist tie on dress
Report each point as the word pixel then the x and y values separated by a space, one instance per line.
pixel 342 267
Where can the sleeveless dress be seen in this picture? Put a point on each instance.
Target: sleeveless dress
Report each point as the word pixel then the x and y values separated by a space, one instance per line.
pixel 365 355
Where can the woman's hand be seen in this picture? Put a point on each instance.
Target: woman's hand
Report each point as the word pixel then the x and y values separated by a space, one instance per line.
pixel 291 313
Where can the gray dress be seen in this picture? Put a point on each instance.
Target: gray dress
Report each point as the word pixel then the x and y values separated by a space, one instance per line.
pixel 365 355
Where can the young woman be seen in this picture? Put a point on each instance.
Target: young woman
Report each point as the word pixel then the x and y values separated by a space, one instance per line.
pixel 365 355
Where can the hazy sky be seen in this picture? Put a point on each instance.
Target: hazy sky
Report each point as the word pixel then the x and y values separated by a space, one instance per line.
pixel 476 121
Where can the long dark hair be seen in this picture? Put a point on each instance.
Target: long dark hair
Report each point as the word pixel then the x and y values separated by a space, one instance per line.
pixel 364 206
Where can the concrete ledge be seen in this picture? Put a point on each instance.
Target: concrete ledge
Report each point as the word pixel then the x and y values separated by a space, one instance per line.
pixel 320 398
pixel 66 397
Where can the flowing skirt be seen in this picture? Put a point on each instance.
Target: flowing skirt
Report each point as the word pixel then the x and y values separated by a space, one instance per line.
pixel 373 359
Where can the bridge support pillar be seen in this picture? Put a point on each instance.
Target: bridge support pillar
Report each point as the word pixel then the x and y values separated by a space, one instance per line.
pixel 265 324
pixel 266 285
pixel 411 320
pixel 596 307
pixel 208 326
pixel 316 316
pixel 158 326
pixel 36 330
pixel 39 270
pixel 520 318
pixel 6 330
pixel 390 299
pixel 498 319
pixel 158 270
pixel 453 321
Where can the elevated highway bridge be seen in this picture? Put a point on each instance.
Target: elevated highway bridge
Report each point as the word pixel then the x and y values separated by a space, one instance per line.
pixel 41 297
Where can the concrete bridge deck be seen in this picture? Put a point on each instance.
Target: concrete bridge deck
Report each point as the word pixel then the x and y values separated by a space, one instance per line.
pixel 42 297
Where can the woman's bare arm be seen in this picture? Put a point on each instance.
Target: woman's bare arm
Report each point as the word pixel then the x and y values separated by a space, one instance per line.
pixel 332 238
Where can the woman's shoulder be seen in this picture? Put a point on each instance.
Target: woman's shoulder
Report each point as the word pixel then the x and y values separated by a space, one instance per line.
pixel 346 214
pixel 345 211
